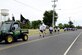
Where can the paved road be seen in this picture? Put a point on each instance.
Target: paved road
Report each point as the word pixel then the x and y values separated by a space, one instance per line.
pixel 50 45
pixel 2 44
pixel 76 49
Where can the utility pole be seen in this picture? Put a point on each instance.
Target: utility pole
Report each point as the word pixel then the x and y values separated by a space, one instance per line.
pixel 69 18
pixel 54 5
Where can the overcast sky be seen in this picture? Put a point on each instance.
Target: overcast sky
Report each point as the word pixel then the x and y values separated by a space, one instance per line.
pixel 34 9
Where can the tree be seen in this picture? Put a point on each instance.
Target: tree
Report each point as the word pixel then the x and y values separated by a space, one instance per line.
pixel 66 25
pixel 47 19
pixel 79 27
pixel 71 24
pixel 60 25
pixel 35 24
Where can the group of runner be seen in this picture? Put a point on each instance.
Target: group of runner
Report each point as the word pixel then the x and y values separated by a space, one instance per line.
pixel 70 29
pixel 42 29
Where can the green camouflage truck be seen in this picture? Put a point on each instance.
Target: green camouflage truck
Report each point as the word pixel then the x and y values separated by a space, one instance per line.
pixel 11 31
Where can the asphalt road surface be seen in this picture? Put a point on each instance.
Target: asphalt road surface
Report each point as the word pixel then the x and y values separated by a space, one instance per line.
pixel 67 43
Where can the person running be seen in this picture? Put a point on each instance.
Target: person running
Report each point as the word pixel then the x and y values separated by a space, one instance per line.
pixel 41 28
pixel 50 29
pixel 55 29
pixel 65 29
pixel 44 28
pixel 58 29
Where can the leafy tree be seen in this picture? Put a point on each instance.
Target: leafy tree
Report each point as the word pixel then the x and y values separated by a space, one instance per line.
pixel 66 26
pixel 60 25
pixel 47 19
pixel 35 24
pixel 71 24
pixel 79 27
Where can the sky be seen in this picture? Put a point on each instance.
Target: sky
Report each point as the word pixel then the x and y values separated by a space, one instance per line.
pixel 34 9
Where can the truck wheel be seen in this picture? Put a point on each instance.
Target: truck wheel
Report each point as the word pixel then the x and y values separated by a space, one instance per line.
pixel 9 39
pixel 25 37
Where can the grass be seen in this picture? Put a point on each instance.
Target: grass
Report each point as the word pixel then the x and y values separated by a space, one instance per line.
pixel 36 31
pixel 61 30
pixel 33 32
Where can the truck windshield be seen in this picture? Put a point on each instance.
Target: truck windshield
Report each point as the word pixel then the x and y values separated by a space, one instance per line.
pixel 5 26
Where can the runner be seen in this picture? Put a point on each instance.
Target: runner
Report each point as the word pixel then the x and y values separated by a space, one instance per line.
pixel 42 29
pixel 58 29
pixel 65 29
pixel 50 29
pixel 55 29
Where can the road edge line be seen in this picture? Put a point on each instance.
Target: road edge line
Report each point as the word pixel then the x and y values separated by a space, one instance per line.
pixel 72 44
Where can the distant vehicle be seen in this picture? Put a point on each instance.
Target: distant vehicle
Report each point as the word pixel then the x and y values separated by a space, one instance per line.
pixel 11 31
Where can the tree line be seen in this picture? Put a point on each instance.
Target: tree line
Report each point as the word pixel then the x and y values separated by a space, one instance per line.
pixel 47 20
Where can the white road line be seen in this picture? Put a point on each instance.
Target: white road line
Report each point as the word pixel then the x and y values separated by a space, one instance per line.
pixel 72 44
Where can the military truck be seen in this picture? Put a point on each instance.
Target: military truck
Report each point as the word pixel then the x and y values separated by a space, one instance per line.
pixel 11 31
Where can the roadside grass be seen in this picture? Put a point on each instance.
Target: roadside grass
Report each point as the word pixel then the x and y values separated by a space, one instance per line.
pixel 36 31
pixel 33 32
pixel 61 30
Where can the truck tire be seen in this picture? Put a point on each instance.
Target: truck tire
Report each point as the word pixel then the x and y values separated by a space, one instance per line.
pixel 25 37
pixel 9 39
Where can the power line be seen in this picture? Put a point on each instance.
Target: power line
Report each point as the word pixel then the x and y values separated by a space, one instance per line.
pixel 28 5
pixel 75 8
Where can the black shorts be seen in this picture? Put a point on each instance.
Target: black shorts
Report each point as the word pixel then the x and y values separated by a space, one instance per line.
pixel 41 31
pixel 51 30
pixel 58 30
